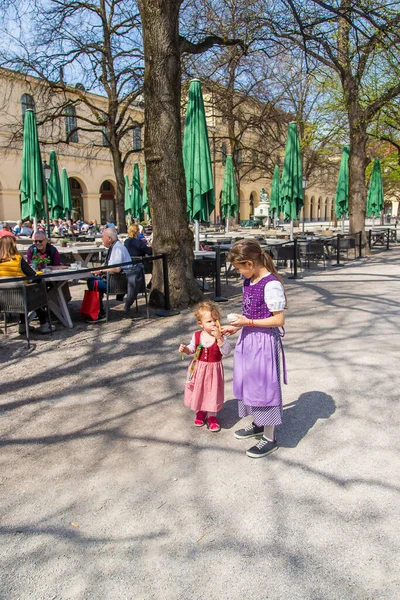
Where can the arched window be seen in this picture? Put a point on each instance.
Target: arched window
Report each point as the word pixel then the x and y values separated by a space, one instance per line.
pixel 238 156
pixel 223 152
pixel 27 101
pixel 137 137
pixel 71 130
pixel 107 203
pixel 77 199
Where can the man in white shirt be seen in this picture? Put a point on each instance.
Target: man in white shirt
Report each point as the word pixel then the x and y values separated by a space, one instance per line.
pixel 116 254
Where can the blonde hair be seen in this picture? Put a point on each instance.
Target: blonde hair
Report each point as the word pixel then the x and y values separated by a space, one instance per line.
pixel 207 306
pixel 248 250
pixel 8 248
pixel 133 230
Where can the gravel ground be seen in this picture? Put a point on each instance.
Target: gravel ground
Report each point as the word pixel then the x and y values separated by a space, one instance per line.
pixel 108 492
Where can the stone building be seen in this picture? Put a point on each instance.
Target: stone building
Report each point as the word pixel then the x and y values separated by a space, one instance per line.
pixel 88 162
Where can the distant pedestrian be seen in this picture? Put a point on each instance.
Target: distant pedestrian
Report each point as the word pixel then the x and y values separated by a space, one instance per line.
pixel 204 387
pixel 258 352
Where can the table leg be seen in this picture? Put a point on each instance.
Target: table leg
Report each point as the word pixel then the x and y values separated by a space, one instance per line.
pixel 84 261
pixel 58 305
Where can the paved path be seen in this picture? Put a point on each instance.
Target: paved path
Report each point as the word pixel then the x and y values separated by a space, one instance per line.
pixel 107 491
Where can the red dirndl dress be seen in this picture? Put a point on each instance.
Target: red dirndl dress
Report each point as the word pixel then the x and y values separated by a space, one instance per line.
pixel 205 390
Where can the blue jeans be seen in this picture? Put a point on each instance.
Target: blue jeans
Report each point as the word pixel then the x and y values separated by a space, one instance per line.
pixel 135 277
pixel 102 287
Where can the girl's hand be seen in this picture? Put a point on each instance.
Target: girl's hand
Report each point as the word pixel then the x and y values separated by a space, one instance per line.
pixel 229 330
pixel 184 349
pixel 241 321
pixel 216 332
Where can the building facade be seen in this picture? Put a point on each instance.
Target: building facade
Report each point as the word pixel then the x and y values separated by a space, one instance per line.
pixel 87 158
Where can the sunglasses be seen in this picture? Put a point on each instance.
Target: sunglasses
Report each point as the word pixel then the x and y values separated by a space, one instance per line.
pixel 38 241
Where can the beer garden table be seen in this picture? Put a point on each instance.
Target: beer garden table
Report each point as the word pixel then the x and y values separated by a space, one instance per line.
pixel 83 254
pixel 56 298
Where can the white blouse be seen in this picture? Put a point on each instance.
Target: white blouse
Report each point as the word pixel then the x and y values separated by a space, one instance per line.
pixel 225 348
pixel 274 294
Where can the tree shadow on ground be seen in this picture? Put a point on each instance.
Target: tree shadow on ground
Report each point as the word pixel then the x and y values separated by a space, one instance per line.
pixel 229 414
pixel 300 416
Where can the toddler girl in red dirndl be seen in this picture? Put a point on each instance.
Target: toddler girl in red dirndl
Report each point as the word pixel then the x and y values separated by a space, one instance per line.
pixel 204 387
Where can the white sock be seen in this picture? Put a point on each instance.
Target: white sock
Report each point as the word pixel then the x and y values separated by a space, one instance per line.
pixel 269 432
pixel 212 414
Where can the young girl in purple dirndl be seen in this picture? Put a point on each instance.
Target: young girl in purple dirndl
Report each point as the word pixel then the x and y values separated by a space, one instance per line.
pixel 258 352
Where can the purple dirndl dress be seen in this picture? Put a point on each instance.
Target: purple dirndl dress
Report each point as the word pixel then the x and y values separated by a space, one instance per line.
pixel 257 361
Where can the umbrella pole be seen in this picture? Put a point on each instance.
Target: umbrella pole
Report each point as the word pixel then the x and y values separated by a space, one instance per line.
pixel 196 236
pixel 343 224
pixel 218 294
pixel 291 230
pixel 46 205
pixel 35 224
pixel 227 225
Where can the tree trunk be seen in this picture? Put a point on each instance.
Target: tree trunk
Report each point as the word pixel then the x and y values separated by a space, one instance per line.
pixel 357 127
pixel 163 151
pixel 357 164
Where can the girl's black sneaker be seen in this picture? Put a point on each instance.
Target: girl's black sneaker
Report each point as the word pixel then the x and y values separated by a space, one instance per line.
pixel 248 432
pixel 262 448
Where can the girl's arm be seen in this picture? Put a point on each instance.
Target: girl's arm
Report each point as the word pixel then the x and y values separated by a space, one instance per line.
pixel 277 320
pixel 274 298
pixel 189 349
pixel 228 330
pixel 224 346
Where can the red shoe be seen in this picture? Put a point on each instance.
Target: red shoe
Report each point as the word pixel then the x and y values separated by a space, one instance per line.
pixel 200 418
pixel 213 424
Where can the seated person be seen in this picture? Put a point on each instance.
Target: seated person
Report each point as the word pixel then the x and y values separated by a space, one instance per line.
pixel 134 245
pixel 138 247
pixel 56 228
pixel 13 265
pixel 140 236
pixel 116 254
pixel 26 229
pixel 41 248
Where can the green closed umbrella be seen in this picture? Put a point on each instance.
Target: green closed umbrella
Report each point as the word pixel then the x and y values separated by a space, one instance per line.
pixel 127 198
pixel 291 188
pixel 66 194
pixel 342 188
pixel 375 199
pixel 33 184
pixel 274 205
pixel 229 201
pixel 197 160
pixel 54 195
pixel 136 194
pixel 145 198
